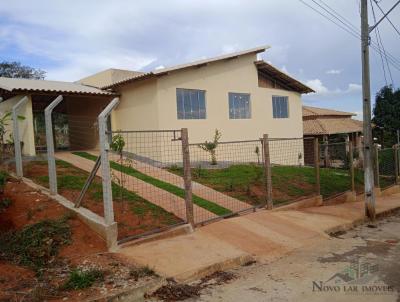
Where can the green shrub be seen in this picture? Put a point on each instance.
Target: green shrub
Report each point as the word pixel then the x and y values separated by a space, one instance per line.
pixel 79 279
pixel 35 245
pixel 4 204
pixel 3 179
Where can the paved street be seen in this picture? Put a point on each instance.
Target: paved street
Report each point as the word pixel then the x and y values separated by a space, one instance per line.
pixel 360 265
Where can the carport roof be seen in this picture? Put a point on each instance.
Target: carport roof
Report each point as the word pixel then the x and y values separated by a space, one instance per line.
pixel 43 86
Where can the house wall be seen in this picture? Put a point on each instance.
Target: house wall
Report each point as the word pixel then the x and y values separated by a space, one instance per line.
pixel 218 79
pixel 25 126
pixel 152 104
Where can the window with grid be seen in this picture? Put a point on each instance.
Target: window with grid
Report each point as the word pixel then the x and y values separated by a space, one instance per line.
pixel 280 106
pixel 191 104
pixel 239 106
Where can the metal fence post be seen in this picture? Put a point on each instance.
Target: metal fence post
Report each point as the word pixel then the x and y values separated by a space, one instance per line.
pixel 105 164
pixel 267 172
pixel 396 163
pixel 376 168
pixel 351 166
pixel 316 163
pixel 187 177
pixel 50 145
pixel 17 142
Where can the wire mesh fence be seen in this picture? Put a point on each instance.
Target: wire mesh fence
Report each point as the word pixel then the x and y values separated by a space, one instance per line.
pixel 387 167
pixel 335 169
pixel 228 178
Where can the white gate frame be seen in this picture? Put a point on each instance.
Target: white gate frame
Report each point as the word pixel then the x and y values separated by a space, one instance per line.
pixel 105 164
pixel 17 141
pixel 50 145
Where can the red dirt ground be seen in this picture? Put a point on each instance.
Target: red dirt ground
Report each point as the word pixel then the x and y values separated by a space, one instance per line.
pixel 87 249
pixel 129 223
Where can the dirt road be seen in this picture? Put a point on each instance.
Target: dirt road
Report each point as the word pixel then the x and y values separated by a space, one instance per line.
pixel 360 265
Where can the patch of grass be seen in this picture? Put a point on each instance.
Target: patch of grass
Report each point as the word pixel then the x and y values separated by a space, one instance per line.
pixel 292 181
pixel 35 245
pixel 4 204
pixel 3 179
pixel 79 279
pixel 141 272
pixel 76 178
pixel 201 202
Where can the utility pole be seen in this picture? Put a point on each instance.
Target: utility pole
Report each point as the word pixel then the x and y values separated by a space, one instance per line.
pixel 366 95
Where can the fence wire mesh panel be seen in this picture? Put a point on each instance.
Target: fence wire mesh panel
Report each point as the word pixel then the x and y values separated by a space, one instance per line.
pixel 227 179
pixel 387 167
pixel 335 169
pixel 293 169
pixel 147 195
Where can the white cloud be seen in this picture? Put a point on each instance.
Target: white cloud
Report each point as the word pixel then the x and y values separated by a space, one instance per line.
pixel 159 67
pixel 317 86
pixel 354 88
pixel 333 71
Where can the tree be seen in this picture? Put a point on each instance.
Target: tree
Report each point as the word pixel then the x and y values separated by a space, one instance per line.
pixel 17 70
pixel 387 115
pixel 211 147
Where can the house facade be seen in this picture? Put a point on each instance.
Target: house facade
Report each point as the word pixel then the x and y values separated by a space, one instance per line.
pixel 237 94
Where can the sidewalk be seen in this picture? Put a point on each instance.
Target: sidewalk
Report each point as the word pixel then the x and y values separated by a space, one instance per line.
pixel 263 236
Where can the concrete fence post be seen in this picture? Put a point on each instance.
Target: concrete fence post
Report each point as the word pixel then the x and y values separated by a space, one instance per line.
pixel 396 163
pixel 50 144
pixel 376 166
pixel 105 164
pixel 267 172
pixel 187 177
pixel 351 166
pixel 316 166
pixel 16 138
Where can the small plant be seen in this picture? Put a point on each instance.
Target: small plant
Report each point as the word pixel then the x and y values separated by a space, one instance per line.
pixel 257 152
pixel 142 272
pixel 117 144
pixel 300 158
pixel 4 204
pixel 5 121
pixel 211 146
pixel 3 180
pixel 79 279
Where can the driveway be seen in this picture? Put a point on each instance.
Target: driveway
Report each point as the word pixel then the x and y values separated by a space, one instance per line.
pixel 360 265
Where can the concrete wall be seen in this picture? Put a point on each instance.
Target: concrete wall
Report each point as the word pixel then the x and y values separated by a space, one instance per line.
pixel 25 126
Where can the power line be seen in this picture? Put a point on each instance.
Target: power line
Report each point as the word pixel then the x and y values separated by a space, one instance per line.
pixel 379 40
pixel 394 27
pixel 393 61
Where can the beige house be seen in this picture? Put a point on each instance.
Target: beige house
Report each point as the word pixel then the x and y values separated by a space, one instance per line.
pixel 241 96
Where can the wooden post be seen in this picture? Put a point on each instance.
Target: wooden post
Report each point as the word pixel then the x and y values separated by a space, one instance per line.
pixel 316 166
pixel 396 163
pixel 187 177
pixel 351 166
pixel 326 151
pixel 376 166
pixel 267 172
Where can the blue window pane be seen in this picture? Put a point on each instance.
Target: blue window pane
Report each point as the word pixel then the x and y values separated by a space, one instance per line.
pixel 280 107
pixel 190 104
pixel 239 105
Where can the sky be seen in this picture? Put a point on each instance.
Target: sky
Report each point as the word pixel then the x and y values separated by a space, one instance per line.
pixel 73 39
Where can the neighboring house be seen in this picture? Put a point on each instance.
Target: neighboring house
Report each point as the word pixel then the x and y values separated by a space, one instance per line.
pixel 235 93
pixel 329 126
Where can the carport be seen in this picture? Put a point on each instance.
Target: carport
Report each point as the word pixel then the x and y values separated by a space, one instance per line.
pixel 74 118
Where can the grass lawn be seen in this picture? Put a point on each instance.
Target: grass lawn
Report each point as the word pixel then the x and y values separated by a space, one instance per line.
pixel 208 205
pixel 72 179
pixel 246 182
